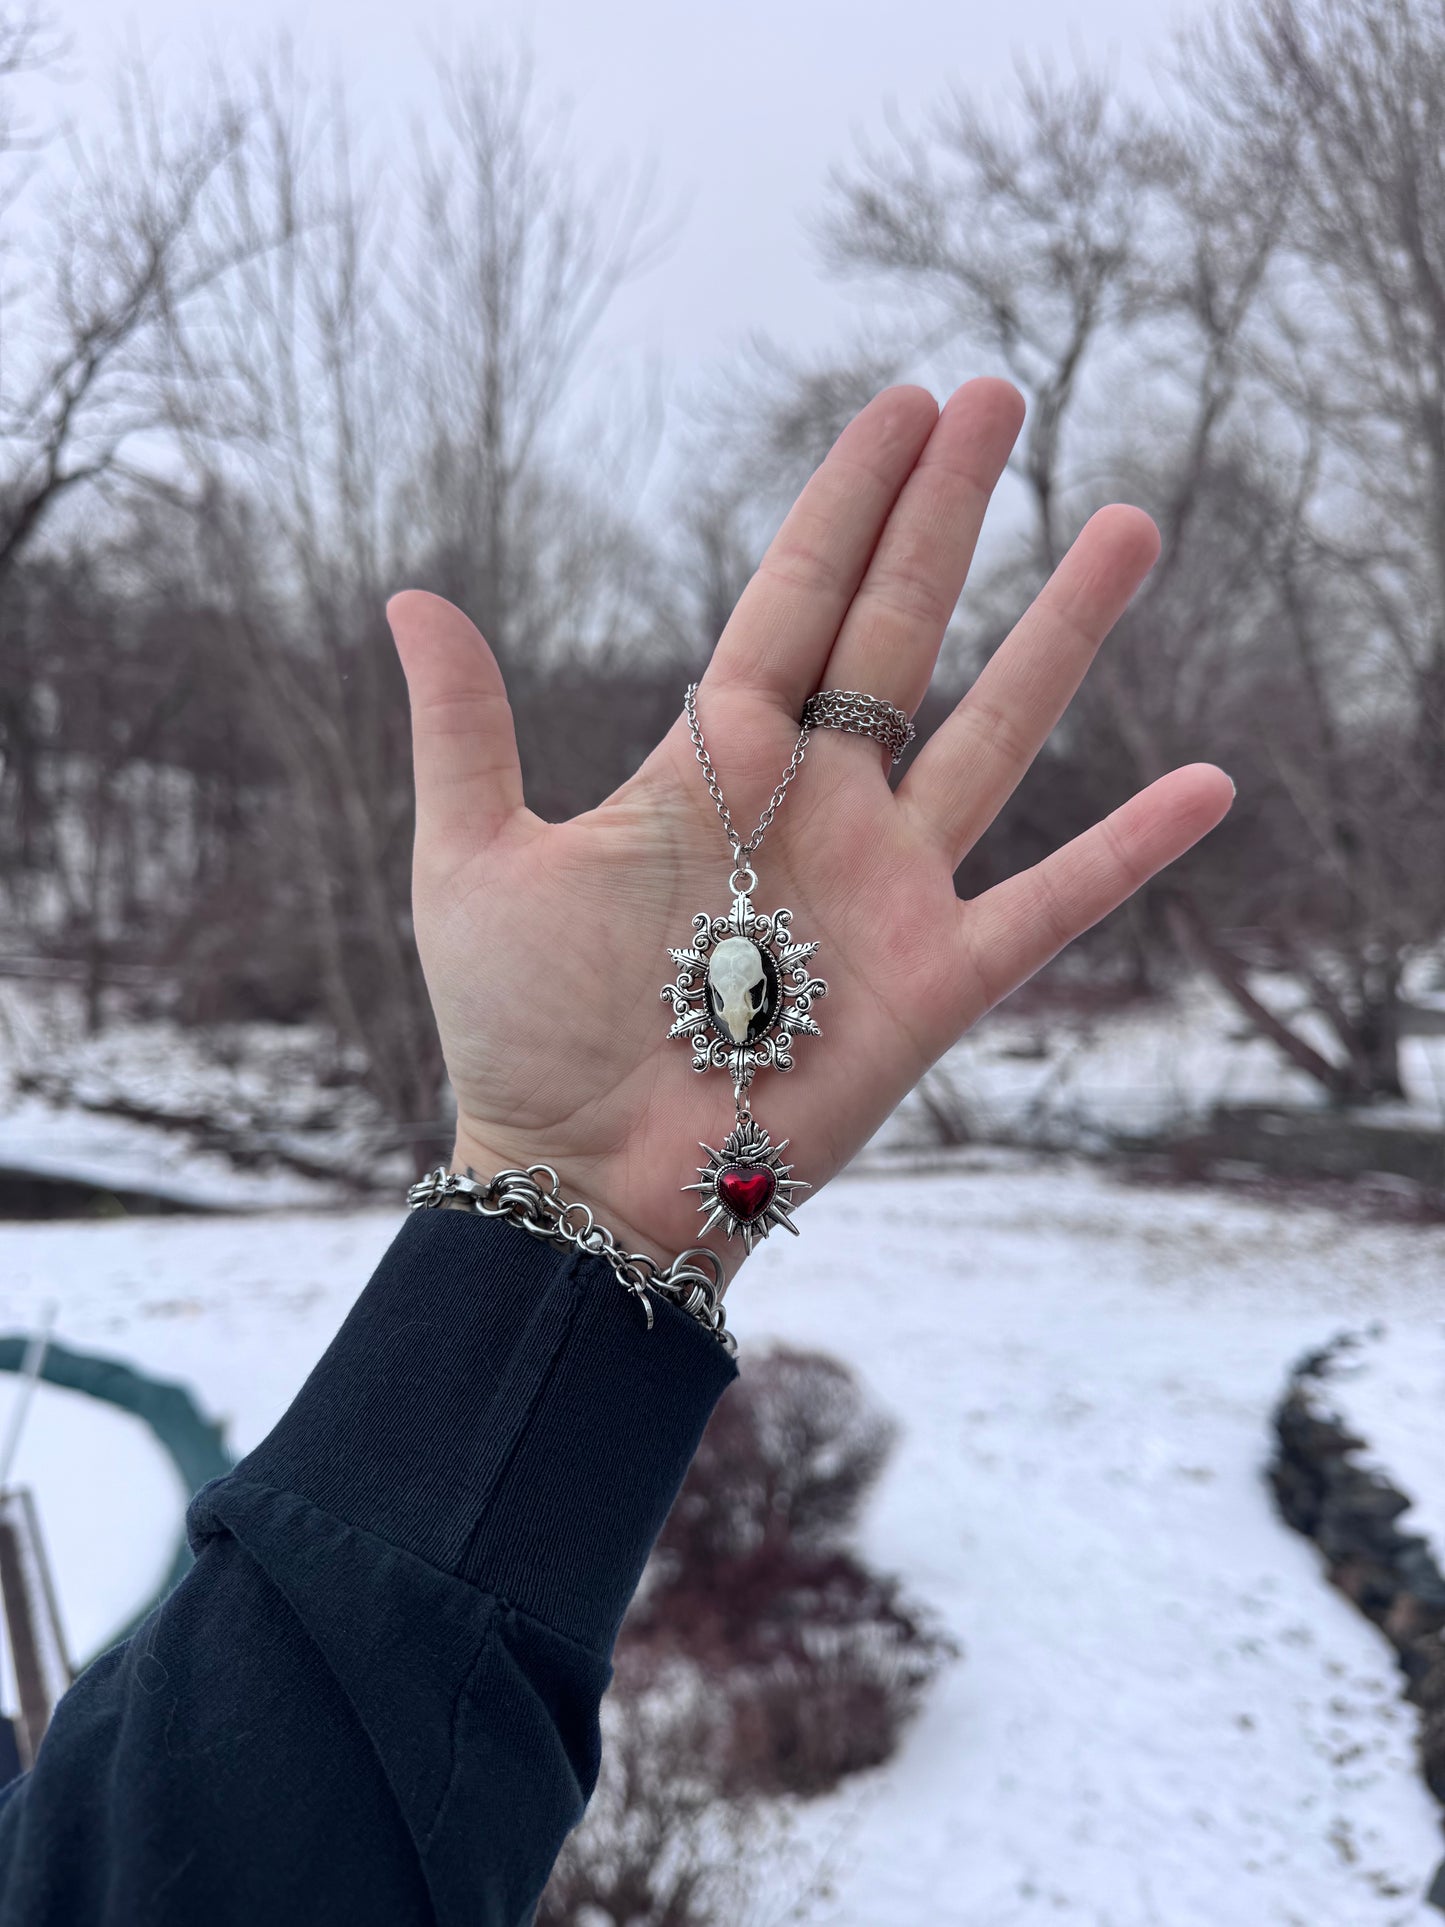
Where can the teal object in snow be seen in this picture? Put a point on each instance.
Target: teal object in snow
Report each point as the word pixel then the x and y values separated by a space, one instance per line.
pixel 196 1445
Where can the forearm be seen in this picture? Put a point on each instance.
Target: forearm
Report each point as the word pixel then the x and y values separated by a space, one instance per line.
pixel 375 1696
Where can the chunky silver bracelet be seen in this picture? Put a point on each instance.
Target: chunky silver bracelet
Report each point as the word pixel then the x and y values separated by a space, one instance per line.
pixel 693 1281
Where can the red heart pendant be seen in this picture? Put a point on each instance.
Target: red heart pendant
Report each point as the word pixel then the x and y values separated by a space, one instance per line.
pixel 746 1189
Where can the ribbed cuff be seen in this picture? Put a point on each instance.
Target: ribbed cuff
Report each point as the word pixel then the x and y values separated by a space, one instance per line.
pixel 500 1409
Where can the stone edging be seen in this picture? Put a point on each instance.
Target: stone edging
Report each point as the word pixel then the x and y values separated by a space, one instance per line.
pixel 1352 1515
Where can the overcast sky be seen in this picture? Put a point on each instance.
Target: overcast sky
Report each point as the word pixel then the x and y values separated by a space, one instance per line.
pixel 742 107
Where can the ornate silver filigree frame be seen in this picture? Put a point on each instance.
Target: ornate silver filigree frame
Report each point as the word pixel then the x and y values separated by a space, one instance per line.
pixel 796 990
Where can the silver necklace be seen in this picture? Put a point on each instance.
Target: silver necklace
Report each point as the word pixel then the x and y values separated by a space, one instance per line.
pixel 743 992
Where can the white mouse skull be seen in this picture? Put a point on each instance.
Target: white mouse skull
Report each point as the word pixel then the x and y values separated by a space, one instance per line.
pixel 738 984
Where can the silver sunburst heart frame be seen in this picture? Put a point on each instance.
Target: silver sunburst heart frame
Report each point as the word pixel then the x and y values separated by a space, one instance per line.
pixel 746 1185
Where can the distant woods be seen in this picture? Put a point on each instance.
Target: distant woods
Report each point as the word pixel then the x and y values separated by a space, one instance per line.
pixel 264 378
pixel 263 364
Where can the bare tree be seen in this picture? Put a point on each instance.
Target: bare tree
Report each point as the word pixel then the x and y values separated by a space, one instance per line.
pixel 1340 109
pixel 1355 91
pixel 1025 233
pixel 127 248
pixel 1156 289
pixel 116 248
pixel 391 400
pixel 242 400
pixel 513 266
pixel 30 43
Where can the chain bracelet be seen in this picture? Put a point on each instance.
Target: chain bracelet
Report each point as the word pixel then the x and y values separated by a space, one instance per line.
pixel 693 1281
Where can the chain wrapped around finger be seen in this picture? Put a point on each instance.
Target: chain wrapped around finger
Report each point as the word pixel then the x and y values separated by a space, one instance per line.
pixel 860 715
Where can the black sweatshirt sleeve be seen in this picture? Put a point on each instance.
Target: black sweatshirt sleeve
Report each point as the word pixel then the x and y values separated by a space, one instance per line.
pixel 374 1697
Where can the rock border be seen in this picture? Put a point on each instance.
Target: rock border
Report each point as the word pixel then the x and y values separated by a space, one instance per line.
pixel 1352 1513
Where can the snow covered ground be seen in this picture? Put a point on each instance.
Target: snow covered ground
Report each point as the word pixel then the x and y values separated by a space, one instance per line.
pixel 1163 1717
pixel 1049 1073
pixel 233 1075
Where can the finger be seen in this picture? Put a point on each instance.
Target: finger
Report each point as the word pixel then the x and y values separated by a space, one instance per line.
pixel 891 635
pixel 1013 929
pixel 464 749
pixel 969 767
pixel 777 639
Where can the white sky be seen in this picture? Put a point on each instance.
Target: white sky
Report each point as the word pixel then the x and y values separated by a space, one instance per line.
pixel 742 107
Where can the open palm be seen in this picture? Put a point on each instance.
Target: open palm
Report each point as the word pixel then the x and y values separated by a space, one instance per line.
pixel 545 945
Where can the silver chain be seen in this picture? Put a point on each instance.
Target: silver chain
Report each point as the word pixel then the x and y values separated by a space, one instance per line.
pixel 860 715
pixel 693 1281
pixel 795 763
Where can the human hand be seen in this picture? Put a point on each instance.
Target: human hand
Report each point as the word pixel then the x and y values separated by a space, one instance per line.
pixel 545 945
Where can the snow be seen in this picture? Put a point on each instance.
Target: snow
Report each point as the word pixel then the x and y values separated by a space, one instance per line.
pixel 1047 1073
pixel 1162 1714
pixel 230 1074
pixel 1389 1388
pixel 108 1559
pixel 105 1151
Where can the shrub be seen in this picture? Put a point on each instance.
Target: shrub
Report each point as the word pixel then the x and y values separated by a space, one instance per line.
pixel 820 1661
pixel 658 1847
pixel 761 1657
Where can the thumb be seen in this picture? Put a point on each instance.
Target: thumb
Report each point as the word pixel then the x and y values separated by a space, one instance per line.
pixel 464 749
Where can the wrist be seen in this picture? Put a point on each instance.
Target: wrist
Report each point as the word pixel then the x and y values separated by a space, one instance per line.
pixel 541 1201
pixel 482 1158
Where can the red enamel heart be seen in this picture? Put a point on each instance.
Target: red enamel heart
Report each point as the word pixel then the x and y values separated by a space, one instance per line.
pixel 746 1189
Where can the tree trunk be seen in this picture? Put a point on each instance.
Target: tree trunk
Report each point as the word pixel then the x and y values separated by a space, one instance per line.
pixel 1203 948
